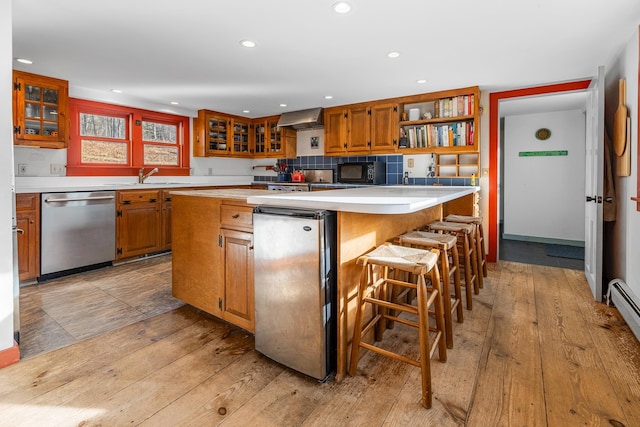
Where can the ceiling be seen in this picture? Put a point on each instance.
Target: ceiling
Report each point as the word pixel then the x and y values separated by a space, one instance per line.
pixel 188 51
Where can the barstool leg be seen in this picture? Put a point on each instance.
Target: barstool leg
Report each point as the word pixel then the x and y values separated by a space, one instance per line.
pixel 446 297
pixel 425 354
pixel 439 312
pixel 483 253
pixel 357 327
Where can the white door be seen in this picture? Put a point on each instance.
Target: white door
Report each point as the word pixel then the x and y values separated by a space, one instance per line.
pixel 594 185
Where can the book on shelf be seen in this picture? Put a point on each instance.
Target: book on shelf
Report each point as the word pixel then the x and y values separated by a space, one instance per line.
pixel 461 105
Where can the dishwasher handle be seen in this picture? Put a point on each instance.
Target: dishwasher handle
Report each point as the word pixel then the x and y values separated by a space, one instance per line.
pixel 78 199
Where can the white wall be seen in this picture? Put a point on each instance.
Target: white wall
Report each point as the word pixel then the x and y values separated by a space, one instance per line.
pixel 626 239
pixel 544 195
pixel 6 179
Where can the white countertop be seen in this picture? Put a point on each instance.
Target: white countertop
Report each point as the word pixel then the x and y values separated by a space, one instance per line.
pixel 399 199
pixel 66 184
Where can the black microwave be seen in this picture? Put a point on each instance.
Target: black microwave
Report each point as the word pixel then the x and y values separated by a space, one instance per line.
pixel 362 173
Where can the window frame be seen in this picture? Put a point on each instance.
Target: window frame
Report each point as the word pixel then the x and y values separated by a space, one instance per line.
pixel 135 117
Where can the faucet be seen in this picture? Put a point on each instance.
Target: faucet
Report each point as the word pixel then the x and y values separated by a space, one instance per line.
pixel 142 176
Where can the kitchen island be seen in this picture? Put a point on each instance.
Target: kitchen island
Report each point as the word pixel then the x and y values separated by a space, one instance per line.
pixel 366 217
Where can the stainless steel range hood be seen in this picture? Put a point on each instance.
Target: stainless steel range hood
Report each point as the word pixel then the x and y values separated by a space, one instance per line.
pixel 303 119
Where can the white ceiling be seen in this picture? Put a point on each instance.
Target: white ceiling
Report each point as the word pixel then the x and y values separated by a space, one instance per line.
pixel 157 51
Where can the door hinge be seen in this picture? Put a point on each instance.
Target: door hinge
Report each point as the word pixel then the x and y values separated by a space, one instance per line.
pixel 220 303
pixel 119 213
pixel 220 240
pixel 119 251
pixel 368 111
pixel 153 200
pixel 395 108
pixel 16 129
pixel 126 202
pixel 16 86
pixel 346 115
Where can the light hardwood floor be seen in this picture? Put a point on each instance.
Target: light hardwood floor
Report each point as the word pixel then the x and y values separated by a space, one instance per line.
pixel 535 351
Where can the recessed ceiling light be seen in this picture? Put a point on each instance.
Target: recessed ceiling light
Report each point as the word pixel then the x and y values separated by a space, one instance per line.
pixel 24 61
pixel 246 111
pixel 283 105
pixel 116 91
pixel 393 54
pixel 328 97
pixel 341 7
pixel 421 81
pixel 248 43
pixel 175 103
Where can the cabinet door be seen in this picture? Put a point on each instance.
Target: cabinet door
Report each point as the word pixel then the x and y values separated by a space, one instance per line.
pixel 384 127
pixel 238 304
pixel 28 220
pixel 358 129
pixel 242 139
pixel 28 248
pixel 335 135
pixel 40 110
pixel 260 138
pixel 138 223
pixel 217 135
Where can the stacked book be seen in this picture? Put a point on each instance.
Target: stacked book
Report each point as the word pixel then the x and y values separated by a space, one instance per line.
pixel 463 105
pixel 445 135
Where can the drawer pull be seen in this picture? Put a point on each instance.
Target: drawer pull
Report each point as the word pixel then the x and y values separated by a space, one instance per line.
pixel 236 216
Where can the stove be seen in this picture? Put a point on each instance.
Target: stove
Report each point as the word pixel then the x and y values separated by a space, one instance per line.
pixel 288 186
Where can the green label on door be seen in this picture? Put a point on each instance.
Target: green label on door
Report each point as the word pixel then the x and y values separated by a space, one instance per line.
pixel 543 153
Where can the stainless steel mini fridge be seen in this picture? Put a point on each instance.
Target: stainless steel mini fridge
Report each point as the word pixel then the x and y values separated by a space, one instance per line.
pixel 295 288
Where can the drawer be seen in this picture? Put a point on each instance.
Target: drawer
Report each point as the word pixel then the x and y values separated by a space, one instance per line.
pixel 236 216
pixel 138 196
pixel 27 202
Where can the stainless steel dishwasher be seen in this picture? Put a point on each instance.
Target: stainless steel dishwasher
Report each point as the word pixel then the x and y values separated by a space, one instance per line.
pixel 78 230
pixel 295 288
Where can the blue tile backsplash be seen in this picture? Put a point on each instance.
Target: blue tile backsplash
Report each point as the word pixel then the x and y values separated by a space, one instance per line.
pixel 394 169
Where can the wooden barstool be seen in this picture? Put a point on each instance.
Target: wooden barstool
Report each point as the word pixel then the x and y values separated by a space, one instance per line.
pixel 482 250
pixel 418 263
pixel 466 251
pixel 449 274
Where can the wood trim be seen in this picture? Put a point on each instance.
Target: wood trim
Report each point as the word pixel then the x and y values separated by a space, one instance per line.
pixel 637 198
pixel 76 168
pixel 10 355
pixel 494 125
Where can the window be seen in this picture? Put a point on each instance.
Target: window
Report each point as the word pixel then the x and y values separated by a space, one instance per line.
pixel 113 140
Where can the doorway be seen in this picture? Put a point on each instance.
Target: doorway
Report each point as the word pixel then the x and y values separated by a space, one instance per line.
pixel 495 233
pixel 542 184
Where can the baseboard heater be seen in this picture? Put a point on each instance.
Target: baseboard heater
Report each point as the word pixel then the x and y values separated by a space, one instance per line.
pixel 627 303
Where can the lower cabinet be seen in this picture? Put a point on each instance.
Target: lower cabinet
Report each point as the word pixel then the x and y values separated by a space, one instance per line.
pixel 237 301
pixel 28 224
pixel 138 223
pixel 212 261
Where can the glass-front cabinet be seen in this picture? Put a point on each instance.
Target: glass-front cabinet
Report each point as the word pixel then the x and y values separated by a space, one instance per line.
pixel 40 110
pixel 219 134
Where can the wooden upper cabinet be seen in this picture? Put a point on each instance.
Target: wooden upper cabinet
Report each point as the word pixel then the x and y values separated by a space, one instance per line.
pixel 272 141
pixel 222 135
pixel 361 129
pixel 40 110
pixel 335 131
pixel 384 127
pixel 358 129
